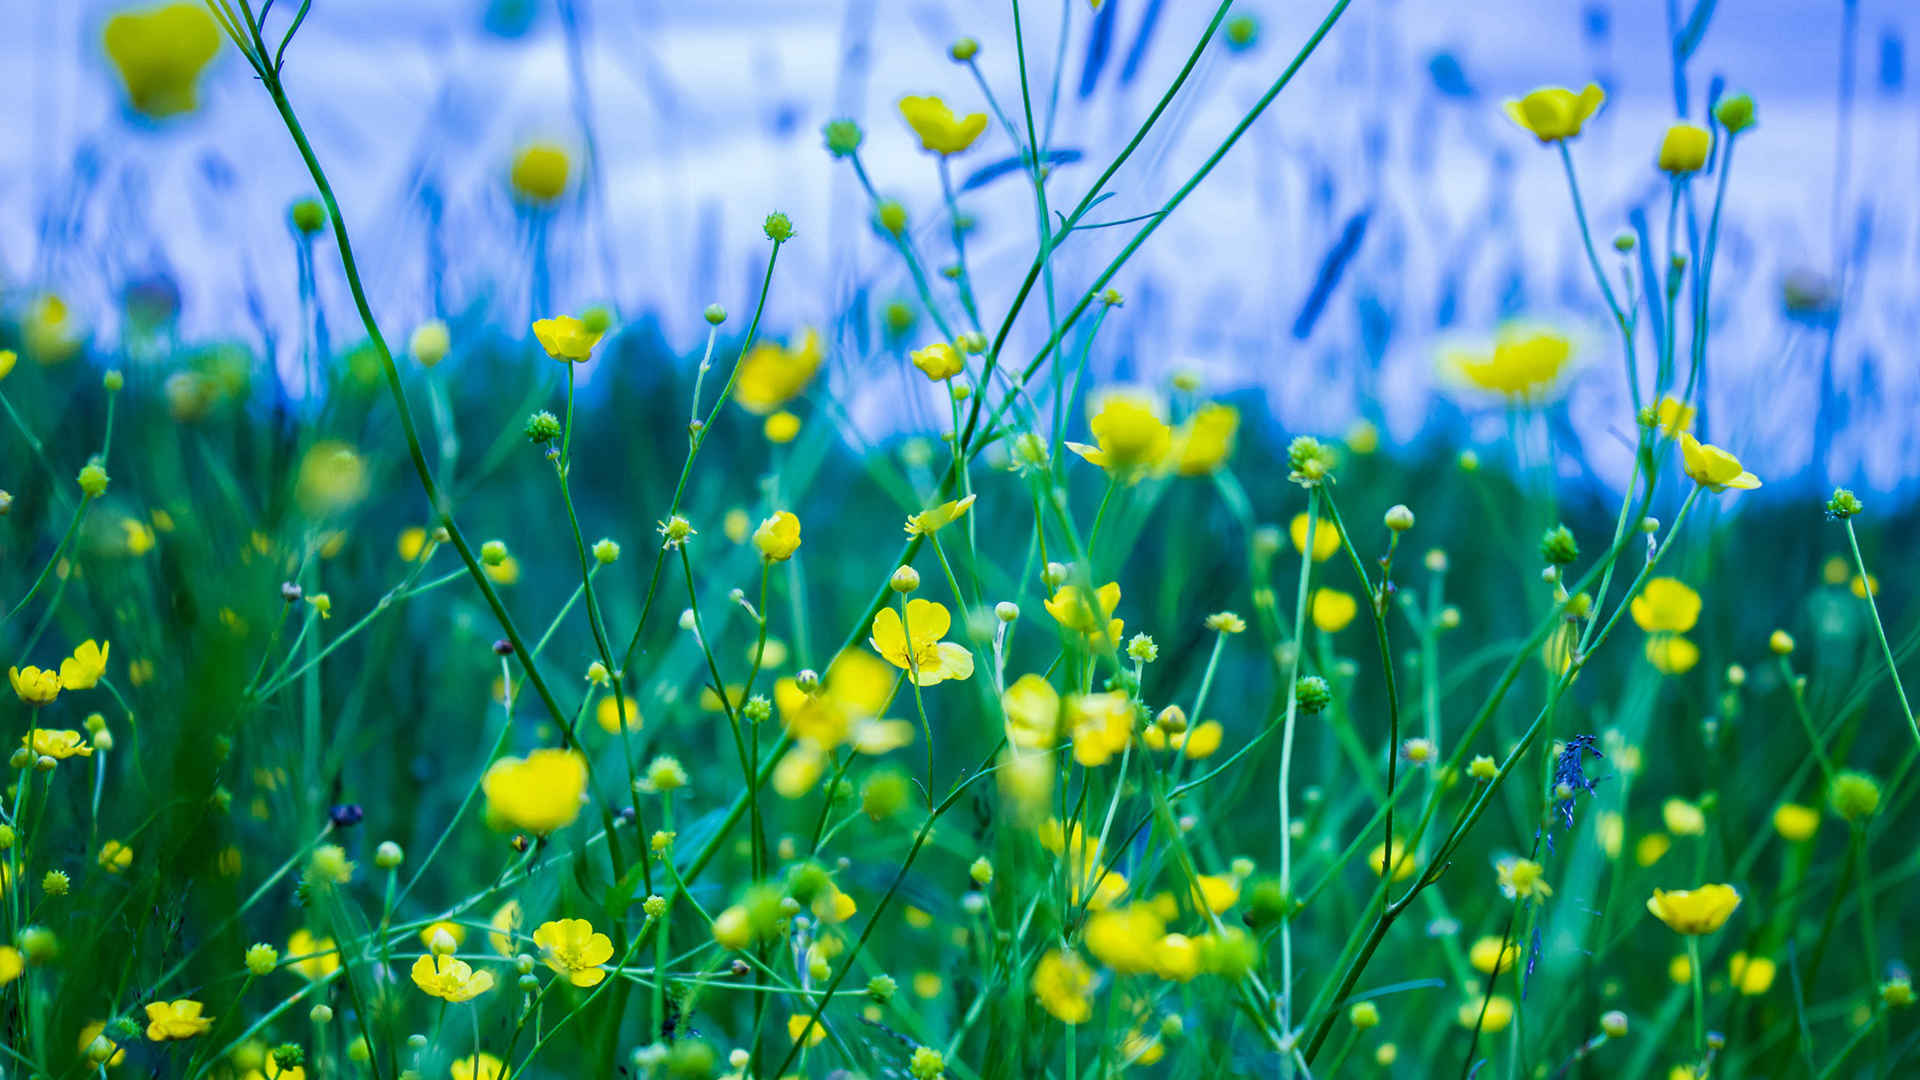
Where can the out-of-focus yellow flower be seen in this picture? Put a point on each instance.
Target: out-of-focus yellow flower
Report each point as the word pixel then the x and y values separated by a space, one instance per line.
pixel 478 1066
pixel 1130 434
pixel 1700 910
pixel 1363 437
pixel 411 543
pixel 35 686
pixel 7 359
pixel 1683 818
pixel 1216 892
pixel 1651 848
pixel 115 857
pixel 1552 113
pixel 1796 823
pixel 573 948
pixel 1713 468
pixel 1666 605
pixel 1200 741
pixel 1033 713
pixel 1203 443
pixel 1326 538
pixel 1522 879
pixel 781 428
pixel 1063 985
pixel 778 537
pixel 1611 830
pixel 772 374
pixel 805 1030
pixel 915 646
pixel 539 173
pixel 1524 364
pixel 1404 863
pixel 845 708
pixel 450 980
pixel 312 957
pixel 1332 610
pixel 1101 725
pixel 178 1019
pixel 159 53
pixel 1088 877
pixel 454 931
pixel 1176 958
pixel 566 339
pixel 933 519
pixel 1072 611
pixel 607 715
pixel 504 572
pixel 938 361
pixel 1860 587
pixel 11 964
pixel 91 1030
pixel 939 129
pixel 1672 416
pixel 1751 975
pixel 1671 654
pixel 58 745
pixel 1490 956
pixel 540 793
pixel 1498 1011
pixel 333 477
pixel 1684 149
pixel 506 924
pixel 1125 939
pixel 1680 970
pixel 52 334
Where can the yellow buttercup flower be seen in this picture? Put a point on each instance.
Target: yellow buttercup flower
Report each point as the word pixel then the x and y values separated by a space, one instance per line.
pixel 1490 956
pixel 1073 612
pixel 1524 363
pixel 566 338
pixel 12 964
pixel 540 793
pixel 916 647
pixel 1101 726
pixel 772 374
pixel 1088 878
pixel 1666 605
pixel 1522 879
pixel 333 477
pixel 939 130
pixel 479 1066
pixel 1700 910
pixel 312 957
pixel 1130 434
pixel 1203 443
pixel 1333 610
pixel 572 948
pixel 58 745
pixel 82 670
pixel 933 519
pixel 1671 654
pixel 454 931
pixel 1326 538
pixel 7 359
pixel 1553 113
pixel 506 926
pixel 1125 939
pixel 1751 975
pixel 1063 985
pixel 1404 863
pixel 778 537
pixel 160 53
pixel 938 361
pixel 1200 741
pixel 844 708
pixel 115 857
pixel 1032 706
pixel 178 1019
pixel 1683 818
pixel 94 1029
pixel 607 715
pixel 1493 1016
pixel 1685 149
pixel 1651 848
pixel 1672 416
pixel 1713 468
pixel 539 172
pixel 35 686
pixel 1796 823
pixel 449 979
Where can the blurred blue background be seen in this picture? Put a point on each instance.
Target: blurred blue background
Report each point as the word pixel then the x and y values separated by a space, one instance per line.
pixel 1383 206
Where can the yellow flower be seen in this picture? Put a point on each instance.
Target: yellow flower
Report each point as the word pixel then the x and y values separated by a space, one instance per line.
pixel 1672 654
pixel 772 374
pixel 449 979
pixel 1683 818
pixel 931 660
pixel 1204 441
pixel 58 745
pixel 1087 875
pixel 160 53
pixel 1666 605
pixel 1672 416
pixel 7 359
pixel 11 964
pixel 1524 364
pixel 1033 713
pixel 607 715
pixel 94 1029
pixel 411 543
pixel 939 130
pixel 1555 112
pixel 566 338
pixel 1176 958
pixel 1651 848
pixel 179 1019
pixel 34 685
pixel 312 957
pixel 1197 742
pixel 504 572
pixel 933 519
pixel 572 948
pixel 1498 1013
pixel 1680 970
pixel 805 1030
pixel 845 708
pixel 1131 436
pixel 1101 724
pixel 115 857
pixel 1404 863
pixel 1326 538
pixel 1063 985
pixel 1700 910
pixel 1523 879
pixel 539 173
pixel 1333 610
pixel 506 924
pixel 1217 892
pixel 478 1066
pixel 1685 148
pixel 1751 975
pixel 1713 468
pixel 1859 586
pixel 83 669
pixel 1795 823
pixel 778 537
pixel 453 930
pixel 1490 957
pixel 540 793
pixel 1073 612
pixel 1125 939
pixel 938 361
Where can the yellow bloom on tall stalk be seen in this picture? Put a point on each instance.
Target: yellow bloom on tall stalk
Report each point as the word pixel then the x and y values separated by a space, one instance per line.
pixel 1685 149
pixel 566 339
pixel 313 957
pixel 58 745
pixel 333 477
pixel 94 1029
pixel 1205 440
pixel 178 1019
pixel 479 1066
pixel 1101 725
pixel 1672 654
pixel 1126 939
pixel 772 374
pixel 35 686
pixel 539 173
pixel 7 359
pixel 82 670
pixel 1699 910
pixel 1751 975
pixel 938 361
pixel 1073 612
pixel 1088 877
pixel 449 979
pixel 1522 879
pixel 572 948
pixel 778 537
pixel 1404 864
pixel 933 519
pixel 12 964
pixel 115 857
pixel 506 924
pixel 939 129
pixel 1525 364
pixel 845 708
pixel 1666 605
pixel 1672 416
pixel 1491 1017
pixel 1795 823
pixel 160 53
pixel 539 793
pixel 1130 434
pixel 1553 113
pixel 1713 468
pixel 1333 610
pixel 915 646
pixel 1326 538
pixel 1063 985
